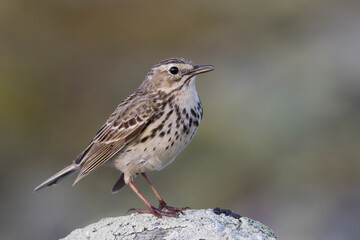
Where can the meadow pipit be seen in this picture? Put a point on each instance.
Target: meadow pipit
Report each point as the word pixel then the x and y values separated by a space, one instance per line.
pixel 146 131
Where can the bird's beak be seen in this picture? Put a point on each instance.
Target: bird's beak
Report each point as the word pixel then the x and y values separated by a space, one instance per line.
pixel 201 69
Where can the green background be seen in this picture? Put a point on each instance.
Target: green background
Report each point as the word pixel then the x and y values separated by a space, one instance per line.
pixel 280 137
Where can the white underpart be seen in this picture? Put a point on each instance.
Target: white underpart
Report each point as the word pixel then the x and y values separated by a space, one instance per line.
pixel 143 157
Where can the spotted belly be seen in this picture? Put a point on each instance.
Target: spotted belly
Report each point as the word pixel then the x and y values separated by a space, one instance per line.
pixel 160 143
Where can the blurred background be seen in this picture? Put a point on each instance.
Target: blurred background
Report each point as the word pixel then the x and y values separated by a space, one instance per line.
pixel 280 137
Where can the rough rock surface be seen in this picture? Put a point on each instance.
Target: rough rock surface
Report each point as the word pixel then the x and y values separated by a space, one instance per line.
pixel 193 224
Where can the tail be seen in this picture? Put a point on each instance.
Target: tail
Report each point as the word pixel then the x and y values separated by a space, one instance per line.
pixel 59 176
pixel 119 184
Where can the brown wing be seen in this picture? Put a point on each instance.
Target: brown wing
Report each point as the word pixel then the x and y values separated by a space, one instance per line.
pixel 124 125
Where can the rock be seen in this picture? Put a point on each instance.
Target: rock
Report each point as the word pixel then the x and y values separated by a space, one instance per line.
pixel 193 224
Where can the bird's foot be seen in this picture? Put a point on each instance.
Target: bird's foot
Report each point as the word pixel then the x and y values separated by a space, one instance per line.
pixel 171 209
pixel 156 212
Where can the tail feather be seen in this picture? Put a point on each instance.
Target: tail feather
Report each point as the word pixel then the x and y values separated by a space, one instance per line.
pixel 119 184
pixel 59 176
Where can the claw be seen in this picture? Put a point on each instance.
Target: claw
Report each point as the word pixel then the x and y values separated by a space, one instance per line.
pixel 132 209
pixel 171 209
pixel 156 212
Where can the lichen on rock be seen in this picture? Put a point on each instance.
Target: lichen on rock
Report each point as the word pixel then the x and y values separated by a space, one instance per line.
pixel 193 224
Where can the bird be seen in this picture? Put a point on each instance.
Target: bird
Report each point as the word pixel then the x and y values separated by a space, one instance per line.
pixel 146 132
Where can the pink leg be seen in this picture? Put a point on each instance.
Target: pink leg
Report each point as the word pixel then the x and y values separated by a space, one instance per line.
pixel 151 209
pixel 162 203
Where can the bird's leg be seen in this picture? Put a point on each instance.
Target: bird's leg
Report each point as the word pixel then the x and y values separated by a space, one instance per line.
pixel 162 203
pixel 151 209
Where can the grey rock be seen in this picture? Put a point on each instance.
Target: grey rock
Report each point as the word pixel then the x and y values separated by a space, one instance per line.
pixel 193 224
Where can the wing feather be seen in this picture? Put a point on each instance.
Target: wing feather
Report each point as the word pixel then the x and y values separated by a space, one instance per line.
pixel 124 125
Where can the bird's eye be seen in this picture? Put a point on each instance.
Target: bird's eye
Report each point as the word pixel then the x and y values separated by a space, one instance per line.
pixel 174 70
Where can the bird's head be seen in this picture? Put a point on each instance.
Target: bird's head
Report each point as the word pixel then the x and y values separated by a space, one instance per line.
pixel 173 73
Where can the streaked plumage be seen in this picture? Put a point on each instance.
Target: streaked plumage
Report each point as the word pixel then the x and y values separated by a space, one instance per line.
pixel 148 129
